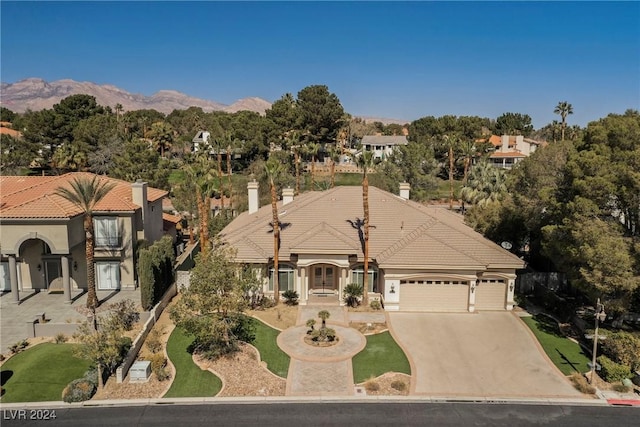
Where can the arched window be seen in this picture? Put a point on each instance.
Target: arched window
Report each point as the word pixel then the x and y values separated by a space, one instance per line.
pixel 286 277
pixel 357 276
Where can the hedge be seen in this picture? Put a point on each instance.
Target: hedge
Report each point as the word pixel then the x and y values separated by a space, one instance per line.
pixel 612 371
pixel 155 271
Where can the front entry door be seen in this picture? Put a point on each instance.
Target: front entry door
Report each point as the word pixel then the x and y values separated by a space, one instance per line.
pixel 323 278
pixel 53 270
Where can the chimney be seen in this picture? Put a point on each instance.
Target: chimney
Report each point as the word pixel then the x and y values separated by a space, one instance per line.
pixel 254 200
pixel 287 196
pixel 404 190
pixel 139 197
pixel 520 143
pixel 505 144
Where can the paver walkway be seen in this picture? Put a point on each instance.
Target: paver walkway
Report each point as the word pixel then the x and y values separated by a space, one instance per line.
pixel 321 371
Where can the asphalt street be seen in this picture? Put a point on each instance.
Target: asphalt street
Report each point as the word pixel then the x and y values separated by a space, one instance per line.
pixel 324 413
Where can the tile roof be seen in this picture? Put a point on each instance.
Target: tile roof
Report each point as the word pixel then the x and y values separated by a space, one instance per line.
pixel 402 233
pixel 34 196
pixel 384 140
pixel 507 154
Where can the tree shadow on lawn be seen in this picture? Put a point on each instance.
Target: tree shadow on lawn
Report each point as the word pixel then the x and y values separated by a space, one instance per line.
pixel 548 325
pixel 569 362
pixel 5 376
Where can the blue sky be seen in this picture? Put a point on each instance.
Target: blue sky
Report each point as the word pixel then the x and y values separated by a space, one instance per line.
pixel 402 60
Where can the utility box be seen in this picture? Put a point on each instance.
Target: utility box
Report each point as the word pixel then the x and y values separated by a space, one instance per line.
pixel 140 371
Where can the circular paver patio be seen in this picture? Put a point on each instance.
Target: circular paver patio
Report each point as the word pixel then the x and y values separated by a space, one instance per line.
pixel 351 342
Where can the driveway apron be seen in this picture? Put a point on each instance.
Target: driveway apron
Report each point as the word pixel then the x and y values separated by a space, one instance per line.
pixel 488 354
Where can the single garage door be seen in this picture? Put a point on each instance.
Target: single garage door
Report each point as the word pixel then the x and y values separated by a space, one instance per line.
pixel 491 295
pixel 433 297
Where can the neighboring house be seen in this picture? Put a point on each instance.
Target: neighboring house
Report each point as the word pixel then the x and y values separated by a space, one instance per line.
pixel 201 139
pixel 422 258
pixel 510 149
pixel 382 145
pixel 43 241
pixel 6 128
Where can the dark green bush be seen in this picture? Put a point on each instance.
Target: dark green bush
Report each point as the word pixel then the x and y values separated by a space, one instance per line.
pixel 78 390
pixel 623 347
pixel 612 371
pixel 352 293
pixel 375 305
pixel 155 271
pixel 91 375
pixel 290 297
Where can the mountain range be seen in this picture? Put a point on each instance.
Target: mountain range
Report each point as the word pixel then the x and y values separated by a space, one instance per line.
pixel 36 94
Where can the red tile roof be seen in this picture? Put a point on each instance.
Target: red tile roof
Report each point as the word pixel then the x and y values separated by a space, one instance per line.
pixel 508 154
pixel 34 196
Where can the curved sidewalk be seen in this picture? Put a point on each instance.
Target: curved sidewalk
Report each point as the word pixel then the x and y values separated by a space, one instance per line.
pixel 320 371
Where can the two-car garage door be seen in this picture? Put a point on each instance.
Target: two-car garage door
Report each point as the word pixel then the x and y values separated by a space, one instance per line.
pixel 428 296
pixel 442 296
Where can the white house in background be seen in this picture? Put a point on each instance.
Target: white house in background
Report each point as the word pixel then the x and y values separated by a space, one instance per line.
pixel 382 145
pixel 510 149
pixel 43 240
pixel 201 139
pixel 422 258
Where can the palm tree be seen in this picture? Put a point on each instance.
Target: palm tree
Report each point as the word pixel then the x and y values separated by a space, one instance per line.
pixel 487 184
pixel 451 142
pixel 230 146
pixel 365 161
pixel 273 169
pixel 118 110
pixel 334 155
pixel 85 194
pixel 312 149
pixel 563 109
pixel 293 141
pixel 200 174
pixel 162 136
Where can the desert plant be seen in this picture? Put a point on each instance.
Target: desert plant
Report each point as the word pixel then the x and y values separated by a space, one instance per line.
pixel 581 384
pixel 154 340
pixel 612 371
pixel 2 357
pixel 352 293
pixel 78 390
pixel 621 388
pixel 375 305
pixel 371 385
pixel 324 315
pixel 290 297
pixel 60 338
pixel 158 361
pixel 162 374
pixel 399 385
pixel 18 346
pixel 311 323
pixel 125 314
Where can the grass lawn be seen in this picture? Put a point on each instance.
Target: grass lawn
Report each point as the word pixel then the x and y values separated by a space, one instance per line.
pixel 276 359
pixel 40 373
pixel 190 380
pixel 564 353
pixel 381 354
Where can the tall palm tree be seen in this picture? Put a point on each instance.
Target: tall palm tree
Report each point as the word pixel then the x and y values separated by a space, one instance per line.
pixel 293 141
pixel 563 109
pixel 334 155
pixel 85 194
pixel 365 161
pixel 230 147
pixel 273 169
pixel 312 149
pixel 451 143
pixel 161 134
pixel 201 175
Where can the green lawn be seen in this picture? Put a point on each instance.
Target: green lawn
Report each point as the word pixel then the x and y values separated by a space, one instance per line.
pixel 276 359
pixel 190 380
pixel 381 354
pixel 40 373
pixel 564 353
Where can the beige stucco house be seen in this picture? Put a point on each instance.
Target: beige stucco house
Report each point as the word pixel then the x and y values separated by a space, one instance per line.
pixel 511 149
pixel 42 239
pixel 422 258
pixel 382 146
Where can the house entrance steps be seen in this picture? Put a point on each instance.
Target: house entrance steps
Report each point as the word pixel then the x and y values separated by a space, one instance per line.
pixel 321 371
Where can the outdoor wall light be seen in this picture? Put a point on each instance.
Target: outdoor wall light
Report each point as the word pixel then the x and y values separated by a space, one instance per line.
pixel 39 267
pixel 393 289
pixel 511 287
pixel 75 265
pixel 473 287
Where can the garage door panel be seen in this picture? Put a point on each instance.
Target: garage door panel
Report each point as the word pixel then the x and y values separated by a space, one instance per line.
pixel 491 296
pixel 432 297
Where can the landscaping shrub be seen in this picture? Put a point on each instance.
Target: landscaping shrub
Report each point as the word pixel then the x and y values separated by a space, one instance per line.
pixel 155 271
pixel 162 374
pixel 290 297
pixel 399 385
pixel 60 338
pixel 19 346
pixel 154 340
pixel 91 375
pixel 621 388
pixel 612 371
pixel 352 293
pixel 581 384
pixel 78 390
pixel 311 323
pixel 371 385
pixel 125 314
pixel 623 347
pixel 266 302
pixel 375 305
pixel 2 357
pixel 158 361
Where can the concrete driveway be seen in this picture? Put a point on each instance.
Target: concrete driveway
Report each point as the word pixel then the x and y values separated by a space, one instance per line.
pixel 486 354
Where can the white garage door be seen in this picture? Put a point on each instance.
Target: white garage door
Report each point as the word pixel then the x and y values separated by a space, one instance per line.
pixel 433 297
pixel 491 296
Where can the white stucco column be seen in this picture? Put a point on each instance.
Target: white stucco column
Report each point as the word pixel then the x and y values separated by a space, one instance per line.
pixel 511 286
pixel 472 295
pixel 343 283
pixel 13 278
pixel 66 279
pixel 303 284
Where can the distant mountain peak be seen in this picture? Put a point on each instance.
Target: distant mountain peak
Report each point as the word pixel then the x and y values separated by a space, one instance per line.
pixel 37 94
